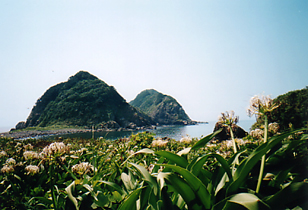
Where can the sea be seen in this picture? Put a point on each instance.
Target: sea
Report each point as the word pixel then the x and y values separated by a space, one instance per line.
pixel 174 132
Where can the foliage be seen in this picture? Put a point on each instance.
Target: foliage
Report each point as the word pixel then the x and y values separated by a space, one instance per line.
pixel 161 108
pixel 292 110
pixel 83 100
pixel 134 173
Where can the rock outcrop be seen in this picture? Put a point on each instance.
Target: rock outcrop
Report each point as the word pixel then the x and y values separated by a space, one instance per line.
pixel 225 134
pixel 162 109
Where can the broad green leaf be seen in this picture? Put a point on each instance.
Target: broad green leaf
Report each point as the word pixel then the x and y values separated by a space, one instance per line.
pixel 178 160
pixel 142 151
pixel 166 201
pixel 294 191
pixel 181 186
pixel 69 189
pixel 102 200
pixel 156 167
pixel 146 176
pixel 202 142
pixel 45 200
pixel 247 200
pixel 196 168
pixel 245 167
pixel 184 151
pixel 130 201
pixel 115 186
pixel 117 196
pixel 196 185
pixel 127 182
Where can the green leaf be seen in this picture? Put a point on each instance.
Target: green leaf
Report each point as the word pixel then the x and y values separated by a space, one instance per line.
pixel 130 201
pixel 294 191
pixel 196 185
pixel 115 186
pixel 102 200
pixel 146 176
pixel 142 151
pixel 127 182
pixel 178 160
pixel 245 167
pixel 184 151
pixel 69 189
pixel 202 142
pixel 247 200
pixel 181 186
pixel 196 168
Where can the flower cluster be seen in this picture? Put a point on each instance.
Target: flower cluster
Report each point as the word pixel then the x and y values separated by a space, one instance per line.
pixel 257 133
pixel 261 105
pixel 3 154
pixel 8 166
pixel 54 149
pixel 10 162
pixel 82 168
pixel 228 118
pixel 32 169
pixel 273 127
pixel 28 147
pixel 7 169
pixel 186 140
pixel 159 143
pixel 30 155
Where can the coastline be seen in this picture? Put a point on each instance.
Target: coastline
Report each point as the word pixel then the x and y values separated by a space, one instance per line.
pixel 24 134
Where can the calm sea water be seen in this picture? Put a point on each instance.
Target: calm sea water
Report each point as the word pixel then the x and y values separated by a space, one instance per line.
pixel 174 132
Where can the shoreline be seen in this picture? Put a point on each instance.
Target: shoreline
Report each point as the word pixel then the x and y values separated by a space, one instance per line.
pixel 25 134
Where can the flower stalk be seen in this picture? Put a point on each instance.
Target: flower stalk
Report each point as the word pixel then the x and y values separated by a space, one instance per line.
pixel 263 157
pixel 261 107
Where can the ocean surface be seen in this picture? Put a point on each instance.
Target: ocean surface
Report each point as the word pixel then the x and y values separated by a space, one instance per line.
pixel 174 132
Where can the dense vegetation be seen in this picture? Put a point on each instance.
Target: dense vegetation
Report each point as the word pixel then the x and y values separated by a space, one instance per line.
pixel 84 100
pixel 142 172
pixel 163 109
pixel 292 110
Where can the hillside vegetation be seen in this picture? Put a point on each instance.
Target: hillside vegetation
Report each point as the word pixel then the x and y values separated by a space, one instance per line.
pixel 292 110
pixel 84 100
pixel 163 109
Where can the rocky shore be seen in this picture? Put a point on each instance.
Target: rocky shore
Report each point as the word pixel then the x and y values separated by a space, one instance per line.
pixel 23 134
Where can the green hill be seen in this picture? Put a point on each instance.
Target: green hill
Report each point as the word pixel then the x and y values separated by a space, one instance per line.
pixel 163 109
pixel 293 109
pixel 84 100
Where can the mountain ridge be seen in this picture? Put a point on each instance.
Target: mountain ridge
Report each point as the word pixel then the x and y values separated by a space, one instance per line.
pixel 163 109
pixel 84 100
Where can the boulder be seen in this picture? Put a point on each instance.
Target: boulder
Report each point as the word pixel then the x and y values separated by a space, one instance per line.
pixel 110 125
pixel 20 125
pixel 225 134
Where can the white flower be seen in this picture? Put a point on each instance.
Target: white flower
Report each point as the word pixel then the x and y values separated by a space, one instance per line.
pixel 82 168
pixel 29 155
pixel 273 127
pixel 186 140
pixel 28 147
pixel 228 118
pixel 3 154
pixel 261 105
pixel 130 152
pixel 32 169
pixel 159 143
pixel 229 143
pixel 10 162
pixel 7 169
pixel 257 133
pixel 56 148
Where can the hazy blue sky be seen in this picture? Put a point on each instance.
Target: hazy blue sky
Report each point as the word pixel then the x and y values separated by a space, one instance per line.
pixel 211 55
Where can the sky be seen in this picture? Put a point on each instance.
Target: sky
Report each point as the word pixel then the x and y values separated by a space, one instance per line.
pixel 212 56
